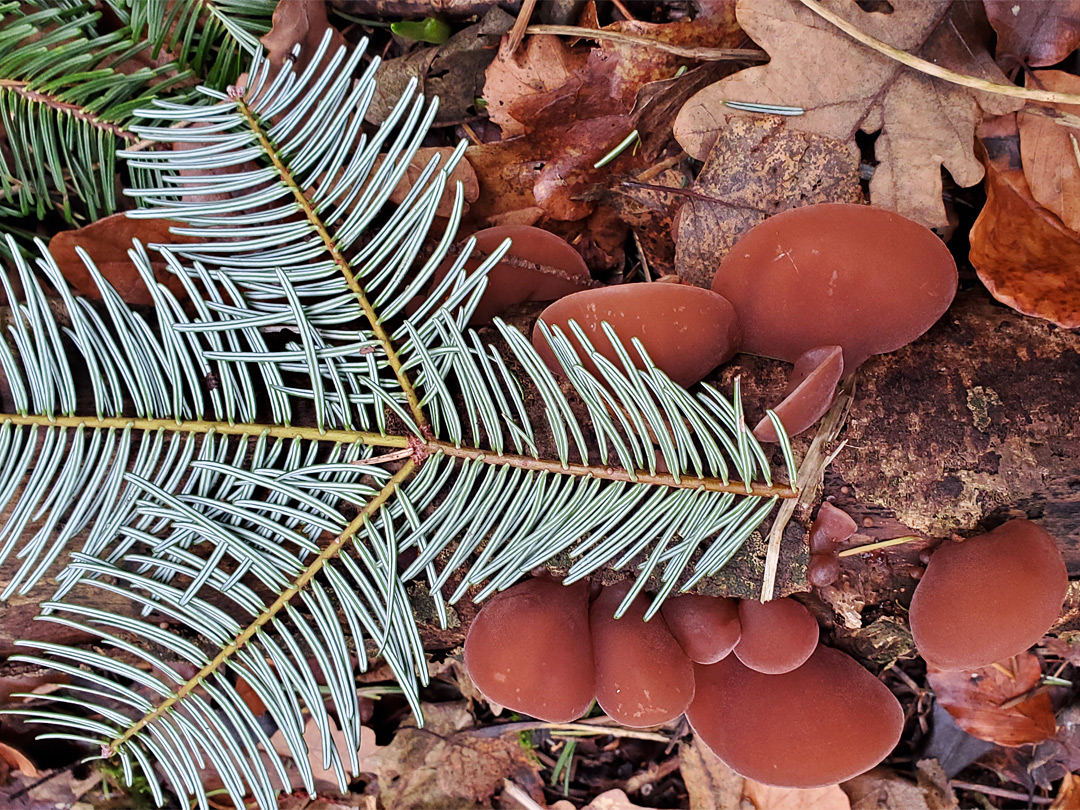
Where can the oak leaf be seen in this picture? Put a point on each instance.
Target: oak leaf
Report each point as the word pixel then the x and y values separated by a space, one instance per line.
pixel 845 87
pixel 767 797
pixel 996 703
pixel 1023 253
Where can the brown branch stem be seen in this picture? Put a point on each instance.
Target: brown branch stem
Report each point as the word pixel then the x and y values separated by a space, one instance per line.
pixel 23 89
pixel 701 54
pixel 608 473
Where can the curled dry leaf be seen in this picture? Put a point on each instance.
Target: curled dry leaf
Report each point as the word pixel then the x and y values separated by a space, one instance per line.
pixel 1023 253
pixel 845 87
pixel 982 701
pixel 756 167
pixel 1034 33
pixel 1050 152
pixel 108 241
pixel 17 760
pixel 324 779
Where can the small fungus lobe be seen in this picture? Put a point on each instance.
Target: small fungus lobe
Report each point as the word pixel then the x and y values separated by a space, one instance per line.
pixel 810 391
pixel 686 331
pixel 831 527
pixel 777 636
pixel 706 627
pixel 820 724
pixel 989 597
pixel 643 678
pixel 529 649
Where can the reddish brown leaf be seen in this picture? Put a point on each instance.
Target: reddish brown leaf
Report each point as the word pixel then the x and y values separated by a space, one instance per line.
pixel 1023 253
pixel 108 241
pixel 542 64
pixel 302 22
pixel 17 760
pixel 1035 33
pixel 1050 152
pixel 982 701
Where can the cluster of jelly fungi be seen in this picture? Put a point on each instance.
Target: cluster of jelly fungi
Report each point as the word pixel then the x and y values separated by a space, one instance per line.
pixel 529 649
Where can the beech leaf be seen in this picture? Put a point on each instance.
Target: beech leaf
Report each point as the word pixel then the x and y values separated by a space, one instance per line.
pixel 1035 33
pixel 1024 254
pixel 845 87
pixel 108 241
pixel 984 701
pixel 1050 160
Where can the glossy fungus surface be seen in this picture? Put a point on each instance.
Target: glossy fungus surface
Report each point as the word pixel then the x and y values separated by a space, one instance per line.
pixel 643 677
pixel 777 636
pixel 810 391
pixel 854 276
pixel 989 597
pixel 529 649
pixel 827 721
pixel 559 269
pixel 830 527
pixel 706 627
pixel 687 331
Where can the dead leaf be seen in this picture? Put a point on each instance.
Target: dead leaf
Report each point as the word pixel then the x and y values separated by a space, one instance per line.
pixel 757 167
pixel 107 241
pixel 542 64
pixel 982 701
pixel 767 797
pixel 325 781
pixel 302 22
pixel 845 87
pixel 445 766
pixel 711 784
pixel 1023 253
pixel 882 789
pixel 462 172
pixel 650 209
pixel 611 800
pixel 935 787
pixel 1067 647
pixel 1034 33
pixel 1048 762
pixel 453 71
pixel 17 760
pixel 1068 795
pixel 1050 152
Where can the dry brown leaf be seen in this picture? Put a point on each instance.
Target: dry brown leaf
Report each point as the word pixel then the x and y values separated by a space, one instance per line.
pixel 981 701
pixel 1050 152
pixel 1023 253
pixel 611 800
pixel 845 87
pixel 767 797
pixel 107 241
pixel 544 63
pixel 444 766
pixel 462 172
pixel 325 780
pixel 710 783
pixel 1035 33
pixel 17 760
pixel 882 789
pixel 302 22
pixel 453 71
pixel 757 167
pixel 1068 795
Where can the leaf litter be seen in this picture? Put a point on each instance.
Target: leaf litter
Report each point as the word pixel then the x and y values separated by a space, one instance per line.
pixel 561 107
